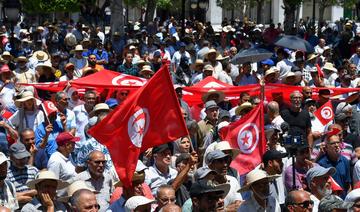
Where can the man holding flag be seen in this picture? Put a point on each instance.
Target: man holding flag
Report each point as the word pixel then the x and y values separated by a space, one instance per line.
pixel 46 133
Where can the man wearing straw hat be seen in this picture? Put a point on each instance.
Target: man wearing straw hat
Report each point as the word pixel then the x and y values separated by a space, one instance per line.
pixel 46 185
pixel 22 73
pixel 257 182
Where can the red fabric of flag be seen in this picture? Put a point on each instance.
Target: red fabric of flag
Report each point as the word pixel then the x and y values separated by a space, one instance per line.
pixel 325 113
pixel 148 118
pixel 247 134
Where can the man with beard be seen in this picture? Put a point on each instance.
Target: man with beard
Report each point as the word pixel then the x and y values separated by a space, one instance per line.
pixel 82 113
pixel 317 179
pixel 102 56
pixel 93 63
pixel 258 182
pixel 97 179
pixel 273 164
pixel 333 158
pixel 298 119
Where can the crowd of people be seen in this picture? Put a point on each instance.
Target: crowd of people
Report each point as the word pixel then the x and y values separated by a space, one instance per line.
pixel 49 161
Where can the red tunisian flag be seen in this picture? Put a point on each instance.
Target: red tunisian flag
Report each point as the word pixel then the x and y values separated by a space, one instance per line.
pixel 148 118
pixel 325 113
pixel 247 134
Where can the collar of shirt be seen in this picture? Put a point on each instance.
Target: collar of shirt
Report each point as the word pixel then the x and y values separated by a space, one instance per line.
pixel 160 173
pixel 256 205
pixel 63 156
pixel 87 175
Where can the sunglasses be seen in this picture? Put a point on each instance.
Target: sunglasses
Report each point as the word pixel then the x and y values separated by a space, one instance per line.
pixel 97 162
pixel 305 204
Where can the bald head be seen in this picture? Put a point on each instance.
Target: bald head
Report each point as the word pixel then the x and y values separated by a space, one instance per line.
pixel 95 154
pixel 170 208
pixel 273 107
pixel 295 197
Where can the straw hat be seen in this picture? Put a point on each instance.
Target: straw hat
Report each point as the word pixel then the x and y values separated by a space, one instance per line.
pixel 228 28
pixel 78 48
pixel 291 77
pixel 73 187
pixel 26 95
pixel 99 107
pixel 6 53
pixel 133 202
pixel 21 58
pixel 312 56
pixel 40 56
pixel 225 146
pixel 142 62
pixel 211 51
pixel 243 106
pixel 272 70
pixel 47 64
pixel 220 57
pixel 220 95
pixel 47 175
pixel 254 176
pixel 330 67
pixel 198 62
pixel 146 69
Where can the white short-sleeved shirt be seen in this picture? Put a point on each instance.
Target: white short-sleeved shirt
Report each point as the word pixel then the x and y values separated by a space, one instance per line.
pixel 82 119
pixel 62 167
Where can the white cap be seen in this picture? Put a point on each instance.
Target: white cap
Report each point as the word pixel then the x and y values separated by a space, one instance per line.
pixel 3 158
pixel 353 195
pixel 133 202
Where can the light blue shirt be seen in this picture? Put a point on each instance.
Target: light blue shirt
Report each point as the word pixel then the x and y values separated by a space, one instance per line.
pixel 154 178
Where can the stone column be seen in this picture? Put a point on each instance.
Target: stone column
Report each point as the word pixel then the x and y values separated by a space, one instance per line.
pixel 337 12
pixel 214 13
pixel 277 11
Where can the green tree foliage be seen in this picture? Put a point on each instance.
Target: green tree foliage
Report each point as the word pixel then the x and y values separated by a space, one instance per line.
pixel 230 4
pixel 48 6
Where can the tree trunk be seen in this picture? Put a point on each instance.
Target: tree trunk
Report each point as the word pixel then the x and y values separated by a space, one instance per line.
pixel 150 10
pixel 117 17
pixel 321 14
pixel 289 13
pixel 259 12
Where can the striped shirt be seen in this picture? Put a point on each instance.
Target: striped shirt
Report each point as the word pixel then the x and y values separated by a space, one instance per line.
pixel 20 177
pixel 346 151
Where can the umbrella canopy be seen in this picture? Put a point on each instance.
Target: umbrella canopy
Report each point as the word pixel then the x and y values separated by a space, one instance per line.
pixel 252 55
pixel 295 43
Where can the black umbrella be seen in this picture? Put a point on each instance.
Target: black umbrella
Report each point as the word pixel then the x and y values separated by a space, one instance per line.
pixel 252 55
pixel 295 43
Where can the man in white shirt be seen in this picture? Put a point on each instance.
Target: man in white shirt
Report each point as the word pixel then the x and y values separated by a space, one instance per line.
pixel 319 49
pixel 178 55
pixel 82 113
pixel 284 65
pixel 59 161
pixel 355 59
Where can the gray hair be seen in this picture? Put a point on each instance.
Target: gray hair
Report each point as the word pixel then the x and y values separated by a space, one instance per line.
pixel 59 95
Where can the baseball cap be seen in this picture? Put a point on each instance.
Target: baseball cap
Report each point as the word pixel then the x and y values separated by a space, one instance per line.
pixel 214 155
pixel 112 102
pixel 203 172
pixel 133 202
pixel 210 104
pixel 268 62
pixel 353 195
pixel 318 171
pixel 202 187
pixel 273 155
pixel 331 202
pixel 19 151
pixel 66 137
pixel 162 148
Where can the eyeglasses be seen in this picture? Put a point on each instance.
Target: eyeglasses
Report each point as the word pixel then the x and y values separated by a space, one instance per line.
pixel 305 204
pixel 167 200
